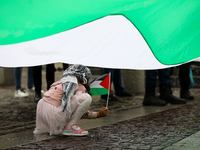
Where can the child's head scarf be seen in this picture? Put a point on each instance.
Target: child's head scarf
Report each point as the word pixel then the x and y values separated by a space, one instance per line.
pixel 70 83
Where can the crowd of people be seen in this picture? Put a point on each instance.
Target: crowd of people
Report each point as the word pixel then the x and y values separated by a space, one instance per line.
pixel 67 100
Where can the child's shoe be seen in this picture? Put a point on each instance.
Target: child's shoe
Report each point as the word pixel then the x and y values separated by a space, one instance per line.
pixel 74 130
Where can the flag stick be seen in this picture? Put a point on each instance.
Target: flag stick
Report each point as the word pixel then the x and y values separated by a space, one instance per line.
pixel 108 90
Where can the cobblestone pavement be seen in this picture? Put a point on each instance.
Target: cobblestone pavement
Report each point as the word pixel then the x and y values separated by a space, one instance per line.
pixel 18 114
pixel 156 131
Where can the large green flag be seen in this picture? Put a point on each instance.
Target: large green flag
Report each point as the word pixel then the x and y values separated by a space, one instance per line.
pixel 99 32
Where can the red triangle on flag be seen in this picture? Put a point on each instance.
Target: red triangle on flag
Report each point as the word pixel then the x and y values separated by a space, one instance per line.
pixel 105 83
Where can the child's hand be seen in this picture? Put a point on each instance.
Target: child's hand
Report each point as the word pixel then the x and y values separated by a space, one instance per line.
pixel 103 112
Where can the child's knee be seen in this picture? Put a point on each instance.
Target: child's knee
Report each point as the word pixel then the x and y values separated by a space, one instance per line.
pixel 74 103
pixel 86 98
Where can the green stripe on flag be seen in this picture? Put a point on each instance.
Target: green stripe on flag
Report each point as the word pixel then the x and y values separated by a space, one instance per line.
pixel 98 91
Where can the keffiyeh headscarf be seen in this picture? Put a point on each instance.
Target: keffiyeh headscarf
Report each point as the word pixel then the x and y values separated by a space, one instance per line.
pixel 70 83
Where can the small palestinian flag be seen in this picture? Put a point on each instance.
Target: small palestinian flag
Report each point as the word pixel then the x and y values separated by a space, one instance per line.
pixel 100 85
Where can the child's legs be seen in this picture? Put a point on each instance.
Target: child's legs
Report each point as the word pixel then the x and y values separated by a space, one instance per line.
pixel 85 102
pixel 41 126
pixel 49 118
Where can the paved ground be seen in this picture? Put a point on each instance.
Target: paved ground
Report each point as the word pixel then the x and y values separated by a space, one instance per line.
pixel 156 131
pixel 18 114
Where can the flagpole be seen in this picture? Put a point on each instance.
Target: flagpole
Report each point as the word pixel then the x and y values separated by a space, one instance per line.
pixel 108 90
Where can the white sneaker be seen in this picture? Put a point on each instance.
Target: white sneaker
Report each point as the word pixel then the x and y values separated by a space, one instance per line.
pixel 21 93
pixel 31 91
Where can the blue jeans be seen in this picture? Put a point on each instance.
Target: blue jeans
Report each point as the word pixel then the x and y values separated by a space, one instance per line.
pixel 116 78
pixel 18 75
pixel 163 74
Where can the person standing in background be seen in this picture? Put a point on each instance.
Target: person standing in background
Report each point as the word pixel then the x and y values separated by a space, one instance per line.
pixel 19 92
pixel 185 80
pixel 37 76
pixel 116 78
pixel 166 95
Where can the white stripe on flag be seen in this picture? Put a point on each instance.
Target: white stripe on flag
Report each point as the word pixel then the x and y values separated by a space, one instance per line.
pixel 96 84
pixel 103 36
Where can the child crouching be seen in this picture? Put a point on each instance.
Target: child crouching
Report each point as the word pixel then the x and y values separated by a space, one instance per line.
pixel 65 103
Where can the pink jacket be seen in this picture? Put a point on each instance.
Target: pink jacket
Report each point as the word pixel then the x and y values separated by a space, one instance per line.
pixel 54 94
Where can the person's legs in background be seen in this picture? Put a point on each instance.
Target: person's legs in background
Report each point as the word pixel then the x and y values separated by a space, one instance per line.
pixel 184 80
pixel 18 75
pixel 111 96
pixel 117 81
pixel 119 88
pixel 30 82
pixel 37 78
pixel 164 76
pixel 165 88
pixel 150 97
pixel 50 75
pixel 19 92
pixel 65 66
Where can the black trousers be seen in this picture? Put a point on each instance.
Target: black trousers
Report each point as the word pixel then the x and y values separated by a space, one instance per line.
pixel 184 76
pixel 37 76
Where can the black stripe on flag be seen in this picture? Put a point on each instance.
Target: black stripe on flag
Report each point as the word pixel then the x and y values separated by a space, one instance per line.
pixel 101 78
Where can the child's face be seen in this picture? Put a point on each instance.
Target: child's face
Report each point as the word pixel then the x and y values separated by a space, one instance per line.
pixel 88 80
